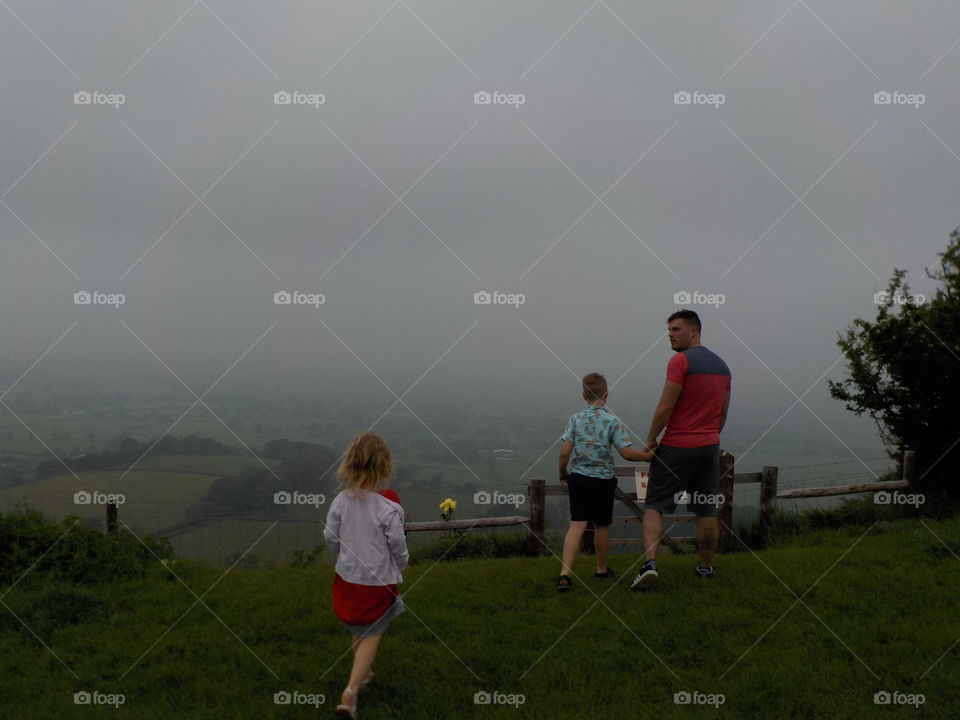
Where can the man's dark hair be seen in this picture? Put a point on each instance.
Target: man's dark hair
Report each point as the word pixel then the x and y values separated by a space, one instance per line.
pixel 688 316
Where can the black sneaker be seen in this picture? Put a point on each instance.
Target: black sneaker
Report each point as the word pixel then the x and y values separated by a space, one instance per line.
pixel 647 577
pixel 705 573
pixel 564 584
pixel 608 574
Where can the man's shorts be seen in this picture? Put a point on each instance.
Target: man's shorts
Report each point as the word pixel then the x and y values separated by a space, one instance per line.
pixel 675 469
pixel 591 499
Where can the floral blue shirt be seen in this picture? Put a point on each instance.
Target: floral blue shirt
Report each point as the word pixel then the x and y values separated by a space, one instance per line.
pixel 592 432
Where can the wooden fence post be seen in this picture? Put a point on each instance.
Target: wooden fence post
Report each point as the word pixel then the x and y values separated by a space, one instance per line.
pixel 111 517
pixel 725 512
pixel 535 534
pixel 908 466
pixel 768 497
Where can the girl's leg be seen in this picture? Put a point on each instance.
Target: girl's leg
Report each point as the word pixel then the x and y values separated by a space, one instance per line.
pixel 570 545
pixel 364 651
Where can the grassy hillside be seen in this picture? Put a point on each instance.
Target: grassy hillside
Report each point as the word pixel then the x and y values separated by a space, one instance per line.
pixel 880 614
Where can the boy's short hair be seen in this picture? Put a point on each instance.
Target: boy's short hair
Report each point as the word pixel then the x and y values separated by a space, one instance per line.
pixel 594 386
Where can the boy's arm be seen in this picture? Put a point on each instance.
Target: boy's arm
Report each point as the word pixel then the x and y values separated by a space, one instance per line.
pixel 634 455
pixel 566 450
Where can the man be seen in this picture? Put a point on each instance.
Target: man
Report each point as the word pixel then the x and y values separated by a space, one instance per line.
pixel 693 409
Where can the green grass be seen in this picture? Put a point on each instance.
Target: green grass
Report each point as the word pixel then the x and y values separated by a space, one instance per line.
pixel 498 625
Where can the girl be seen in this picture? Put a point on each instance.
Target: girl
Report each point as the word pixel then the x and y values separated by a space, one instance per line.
pixel 365 531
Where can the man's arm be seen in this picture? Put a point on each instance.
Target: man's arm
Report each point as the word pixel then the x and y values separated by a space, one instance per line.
pixel 723 410
pixel 668 401
pixel 566 450
pixel 631 453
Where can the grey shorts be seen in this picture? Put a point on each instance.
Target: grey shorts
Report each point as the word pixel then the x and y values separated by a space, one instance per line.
pixel 675 469
pixel 378 626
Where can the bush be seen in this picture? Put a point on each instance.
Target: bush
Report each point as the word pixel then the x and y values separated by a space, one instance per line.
pixel 473 545
pixel 71 552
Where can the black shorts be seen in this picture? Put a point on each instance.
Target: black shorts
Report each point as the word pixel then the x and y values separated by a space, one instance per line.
pixel 675 469
pixel 591 499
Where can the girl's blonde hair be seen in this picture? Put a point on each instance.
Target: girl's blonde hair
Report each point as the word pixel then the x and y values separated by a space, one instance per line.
pixel 367 464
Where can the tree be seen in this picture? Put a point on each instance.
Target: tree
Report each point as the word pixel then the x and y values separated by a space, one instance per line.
pixel 905 372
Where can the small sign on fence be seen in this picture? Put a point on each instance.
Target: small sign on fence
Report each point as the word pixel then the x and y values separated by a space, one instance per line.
pixel 641 475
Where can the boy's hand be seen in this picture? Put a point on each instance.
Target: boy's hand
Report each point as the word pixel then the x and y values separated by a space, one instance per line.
pixel 563 478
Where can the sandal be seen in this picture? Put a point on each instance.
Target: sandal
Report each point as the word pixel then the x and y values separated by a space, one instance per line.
pixel 347 712
pixel 367 680
pixel 607 574
pixel 564 584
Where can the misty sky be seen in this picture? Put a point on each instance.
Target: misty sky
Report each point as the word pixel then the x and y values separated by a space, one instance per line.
pixel 598 198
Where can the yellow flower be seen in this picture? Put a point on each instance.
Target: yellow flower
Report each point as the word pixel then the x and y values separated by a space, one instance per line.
pixel 448 505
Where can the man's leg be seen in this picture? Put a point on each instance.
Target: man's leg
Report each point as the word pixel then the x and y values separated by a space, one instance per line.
pixel 601 543
pixel 652 529
pixel 707 534
pixel 570 545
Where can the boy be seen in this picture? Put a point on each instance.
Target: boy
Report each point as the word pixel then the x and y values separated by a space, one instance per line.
pixel 591 481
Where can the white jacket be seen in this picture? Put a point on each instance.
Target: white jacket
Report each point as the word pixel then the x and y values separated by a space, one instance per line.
pixel 365 532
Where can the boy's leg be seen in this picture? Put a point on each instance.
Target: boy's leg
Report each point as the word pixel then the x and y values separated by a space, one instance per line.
pixel 652 529
pixel 364 652
pixel 570 545
pixel 707 534
pixel 601 542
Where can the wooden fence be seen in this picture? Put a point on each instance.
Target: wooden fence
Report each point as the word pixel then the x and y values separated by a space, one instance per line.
pixel 538 491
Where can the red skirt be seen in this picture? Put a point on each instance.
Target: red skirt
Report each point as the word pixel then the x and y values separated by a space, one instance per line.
pixel 361 604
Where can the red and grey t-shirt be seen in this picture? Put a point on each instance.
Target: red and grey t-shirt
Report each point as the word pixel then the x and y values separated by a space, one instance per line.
pixel 695 420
